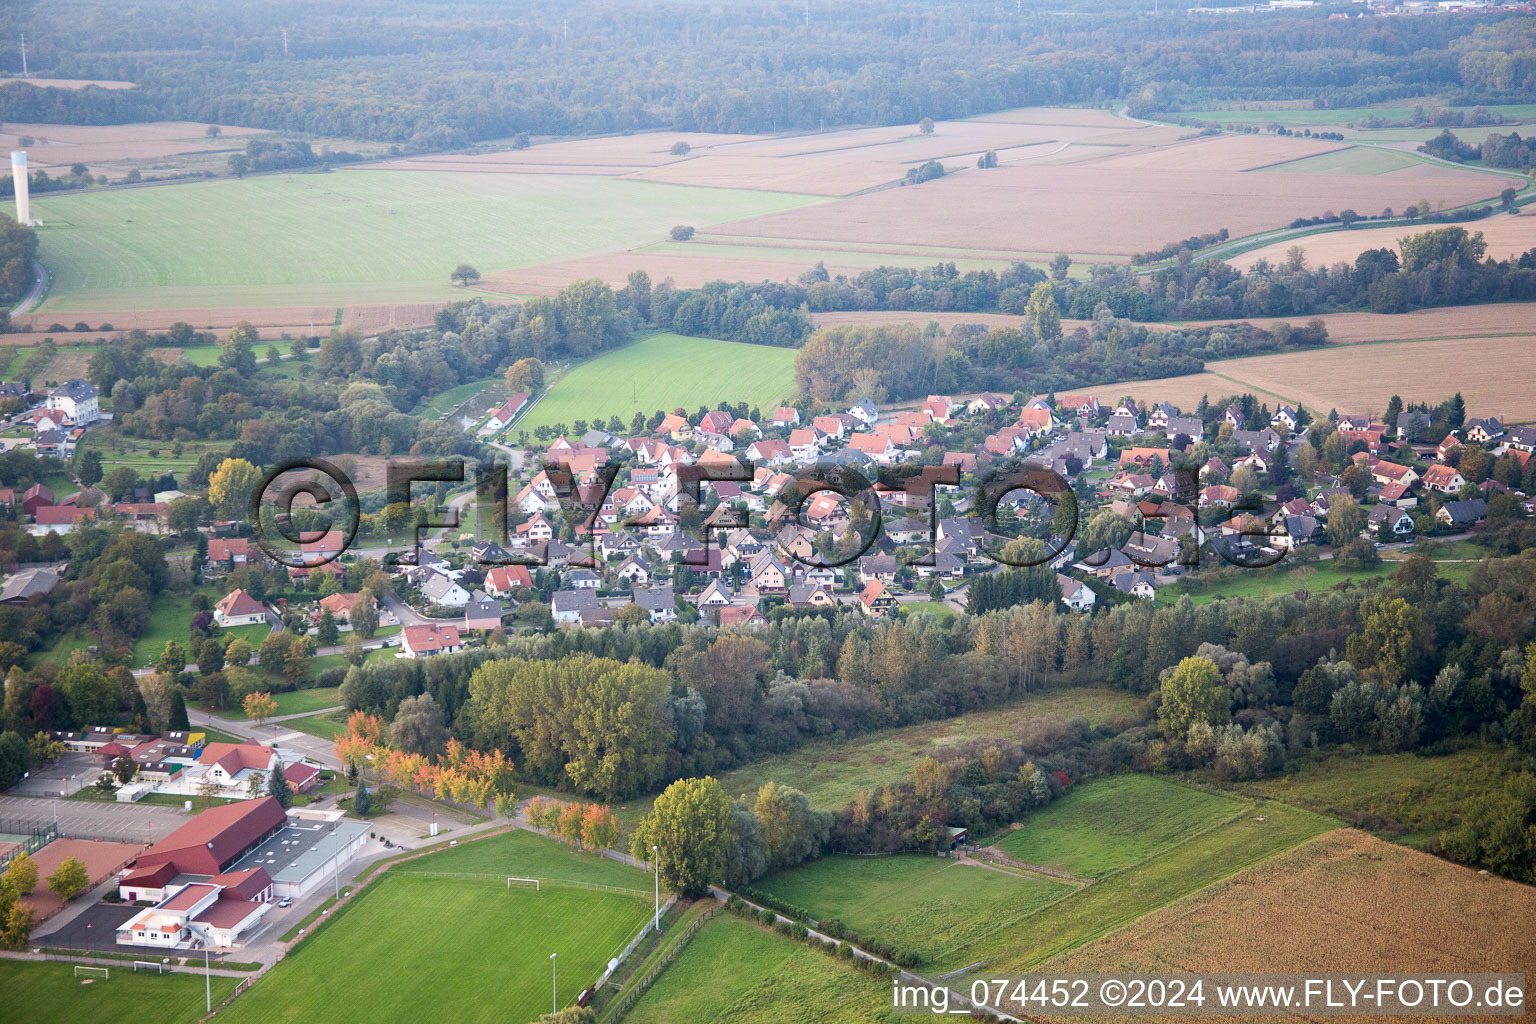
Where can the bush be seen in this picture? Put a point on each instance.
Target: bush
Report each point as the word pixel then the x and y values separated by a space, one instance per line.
pixel 682 232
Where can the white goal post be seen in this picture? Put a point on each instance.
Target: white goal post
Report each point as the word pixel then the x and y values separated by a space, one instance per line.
pixel 149 965
pixel 524 881
pixel 93 970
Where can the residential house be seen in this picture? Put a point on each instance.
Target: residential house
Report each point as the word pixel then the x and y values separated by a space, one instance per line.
pixel 237 608
pixel 501 580
pixel 659 602
pixel 444 591
pixel 1287 418
pixel 865 411
pixel 1463 513
pixel 742 617
pixel 786 416
pixel 433 638
pixel 1076 594
pixel 77 399
pixel 1445 479
pixel 875 600
pixel 567 606
pixel 59 519
pixel 482 611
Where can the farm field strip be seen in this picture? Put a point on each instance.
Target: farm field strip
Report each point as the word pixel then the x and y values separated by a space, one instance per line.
pixel 350 236
pixel 1343 901
pixel 1507 237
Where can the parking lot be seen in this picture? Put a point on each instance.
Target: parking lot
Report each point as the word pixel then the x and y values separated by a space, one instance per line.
pixel 136 823
pixel 67 775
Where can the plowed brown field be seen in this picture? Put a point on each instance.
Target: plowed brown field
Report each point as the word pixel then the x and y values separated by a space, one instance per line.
pixel 1344 902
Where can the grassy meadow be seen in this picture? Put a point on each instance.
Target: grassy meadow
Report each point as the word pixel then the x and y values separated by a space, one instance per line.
pixel 1107 824
pixel 740 972
pixel 932 906
pixel 365 235
pixel 832 772
pixel 665 371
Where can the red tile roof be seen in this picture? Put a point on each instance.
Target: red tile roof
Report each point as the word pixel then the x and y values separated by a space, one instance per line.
pixel 216 838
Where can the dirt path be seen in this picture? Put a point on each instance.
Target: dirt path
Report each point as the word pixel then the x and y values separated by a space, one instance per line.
pixel 992 853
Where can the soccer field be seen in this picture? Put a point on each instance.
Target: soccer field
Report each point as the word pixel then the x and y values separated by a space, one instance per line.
pixel 46 993
pixel 1110 823
pixel 418 948
pixel 665 371
pixel 349 236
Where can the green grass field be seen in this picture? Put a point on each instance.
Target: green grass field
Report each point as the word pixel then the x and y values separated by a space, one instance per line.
pixel 294 702
pixel 520 852
pixel 1354 160
pixel 45 993
pixel 933 609
pixel 831 772
pixel 327 726
pixel 932 906
pixel 351 235
pixel 1122 897
pixel 1402 797
pixel 445 949
pixel 738 972
pixel 171 619
pixel 1104 825
pixel 468 949
pixel 665 371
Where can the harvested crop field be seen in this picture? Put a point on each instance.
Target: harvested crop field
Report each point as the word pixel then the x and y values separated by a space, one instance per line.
pixel 1224 153
pixel 1342 902
pixel 1507 237
pixel 1360 378
pixel 60 145
pixel 371 319
pixel 1482 321
pixel 1095 208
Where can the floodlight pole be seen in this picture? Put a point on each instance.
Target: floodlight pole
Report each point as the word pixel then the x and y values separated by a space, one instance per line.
pixel 656 870
pixel 554 987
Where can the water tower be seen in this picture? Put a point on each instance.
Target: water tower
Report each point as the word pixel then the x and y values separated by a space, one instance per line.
pixel 19 176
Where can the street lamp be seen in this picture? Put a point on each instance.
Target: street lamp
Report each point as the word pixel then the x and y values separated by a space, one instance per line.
pixel 656 870
pixel 207 969
pixel 554 998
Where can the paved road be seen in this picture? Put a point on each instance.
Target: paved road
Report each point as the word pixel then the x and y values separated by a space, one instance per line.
pixel 39 285
pixel 137 823
pixel 313 747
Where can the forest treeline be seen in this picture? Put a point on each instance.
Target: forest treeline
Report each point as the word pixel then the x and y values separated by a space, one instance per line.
pixel 550 68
